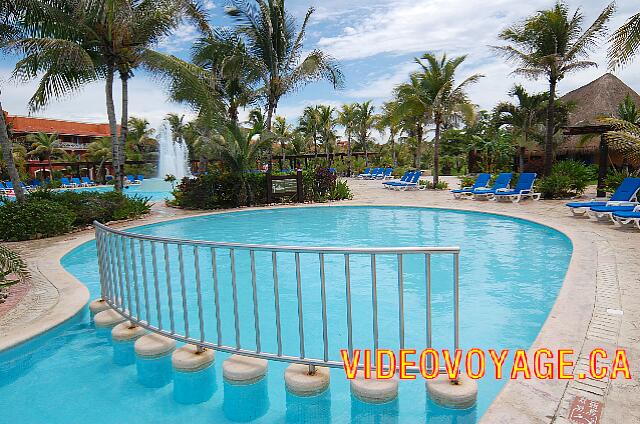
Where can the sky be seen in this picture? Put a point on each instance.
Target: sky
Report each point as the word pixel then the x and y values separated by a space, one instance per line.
pixel 375 42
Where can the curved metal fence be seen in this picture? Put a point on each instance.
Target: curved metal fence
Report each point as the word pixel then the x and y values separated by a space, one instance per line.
pixel 287 303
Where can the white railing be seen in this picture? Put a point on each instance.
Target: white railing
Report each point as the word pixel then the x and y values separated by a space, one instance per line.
pixel 154 282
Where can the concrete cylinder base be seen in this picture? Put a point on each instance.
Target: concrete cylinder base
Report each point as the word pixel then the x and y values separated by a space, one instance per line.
pixel 299 382
pixel 456 396
pixel 127 332
pixel 107 319
pixel 154 346
pixel 98 305
pixel 374 390
pixel 189 359
pixel 240 369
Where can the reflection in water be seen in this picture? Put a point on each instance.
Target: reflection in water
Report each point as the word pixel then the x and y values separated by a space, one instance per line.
pixel 245 403
pixel 368 413
pixel 311 409
pixel 194 387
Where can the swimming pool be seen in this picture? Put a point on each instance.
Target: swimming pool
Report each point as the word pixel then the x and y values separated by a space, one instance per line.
pixel 511 271
pixel 155 188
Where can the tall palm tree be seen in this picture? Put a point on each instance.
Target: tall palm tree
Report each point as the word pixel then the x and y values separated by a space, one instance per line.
pixel 45 146
pixel 522 118
pixel 625 43
pixel 7 156
pixel 70 43
pixel 281 134
pixel 276 44
pixel 327 123
pixel 309 125
pixel 177 125
pixel 389 120
pixel 552 44
pixel 364 122
pixel 347 118
pixel 441 98
pixel 99 151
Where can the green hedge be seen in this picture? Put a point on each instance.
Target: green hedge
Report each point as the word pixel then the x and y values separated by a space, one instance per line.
pixel 48 213
pixel 568 178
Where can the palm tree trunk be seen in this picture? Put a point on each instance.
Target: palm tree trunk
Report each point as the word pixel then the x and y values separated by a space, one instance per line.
pixel 521 159
pixel 124 121
pixel 111 115
pixel 548 143
pixel 394 159
pixel 273 104
pixel 348 153
pixel 436 153
pixel 7 154
pixel 50 167
pixel 418 155
pixel 364 145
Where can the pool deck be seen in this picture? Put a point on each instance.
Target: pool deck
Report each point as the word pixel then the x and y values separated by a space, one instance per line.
pixel 603 276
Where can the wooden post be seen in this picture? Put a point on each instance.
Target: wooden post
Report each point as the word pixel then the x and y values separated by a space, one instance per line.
pixel 269 188
pixel 603 166
pixel 299 186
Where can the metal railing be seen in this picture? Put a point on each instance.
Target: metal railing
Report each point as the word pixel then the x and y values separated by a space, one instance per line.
pixel 224 296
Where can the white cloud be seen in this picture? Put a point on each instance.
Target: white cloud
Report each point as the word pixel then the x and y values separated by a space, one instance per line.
pixel 382 86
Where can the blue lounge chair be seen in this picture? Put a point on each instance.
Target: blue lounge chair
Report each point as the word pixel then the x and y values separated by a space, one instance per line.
pixel 624 194
pixel 3 189
pixel 404 178
pixel 36 183
pixel 65 183
pixel 365 173
pixel 76 181
pixel 411 183
pixel 385 174
pixel 501 183
pixel 524 188
pixel 140 178
pixel 627 217
pixel 132 180
pixel 86 182
pixel 481 181
pixel 109 177
pixel 374 173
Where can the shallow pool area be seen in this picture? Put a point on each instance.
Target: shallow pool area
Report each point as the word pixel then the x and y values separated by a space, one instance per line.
pixel 510 274
pixel 154 188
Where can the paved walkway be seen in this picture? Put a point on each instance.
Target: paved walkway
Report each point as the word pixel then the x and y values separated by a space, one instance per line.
pixel 602 278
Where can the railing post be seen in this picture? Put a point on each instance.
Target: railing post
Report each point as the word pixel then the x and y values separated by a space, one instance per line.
pixel 269 192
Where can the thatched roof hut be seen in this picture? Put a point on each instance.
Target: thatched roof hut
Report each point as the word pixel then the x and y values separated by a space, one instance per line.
pixel 596 99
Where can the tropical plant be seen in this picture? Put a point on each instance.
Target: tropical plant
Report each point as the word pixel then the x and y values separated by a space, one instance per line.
pixel 12 268
pixel 7 156
pixel 326 124
pixel 441 98
pixel 177 126
pixel 625 43
pixel 281 134
pixel 99 151
pixel 309 125
pixel 389 120
pixel 411 110
pixel 347 118
pixel 625 138
pixel 552 44
pixel 45 146
pixel 364 121
pixel 523 118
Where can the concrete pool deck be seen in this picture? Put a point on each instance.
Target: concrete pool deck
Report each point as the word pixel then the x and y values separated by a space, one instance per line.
pixel 603 275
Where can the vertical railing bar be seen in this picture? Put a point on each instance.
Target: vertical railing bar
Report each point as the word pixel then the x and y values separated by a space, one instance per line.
pixel 323 295
pixel 196 264
pixel 167 270
pixel 103 282
pixel 401 300
pixel 123 246
pixel 216 294
pixel 235 296
pixel 134 270
pixel 113 255
pixel 183 289
pixel 347 275
pixel 256 316
pixel 156 284
pixel 145 281
pixel 276 296
pixel 456 299
pixel 374 300
pixel 123 300
pixel 427 265
pixel 300 315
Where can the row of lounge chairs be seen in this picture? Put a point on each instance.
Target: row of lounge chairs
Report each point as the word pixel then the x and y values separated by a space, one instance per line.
pixel 480 190
pixel 76 182
pixel 376 174
pixel 409 181
pixel 622 208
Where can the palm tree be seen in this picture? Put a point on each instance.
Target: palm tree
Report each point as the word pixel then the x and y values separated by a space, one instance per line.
pixel 625 137
pixel 309 125
pixel 363 124
pixel 45 146
pixel 552 44
pixel 438 95
pixel 523 118
pixel 327 123
pixel 177 126
pixel 389 120
pixel 99 151
pixel 281 133
pixel 275 45
pixel 71 43
pixel 7 156
pixel 347 118
pixel 412 108
pixel 625 43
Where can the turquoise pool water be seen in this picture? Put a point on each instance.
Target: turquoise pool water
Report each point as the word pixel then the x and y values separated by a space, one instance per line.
pixel 511 271
pixel 154 188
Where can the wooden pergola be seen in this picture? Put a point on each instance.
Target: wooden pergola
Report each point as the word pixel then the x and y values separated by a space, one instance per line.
pixel 603 148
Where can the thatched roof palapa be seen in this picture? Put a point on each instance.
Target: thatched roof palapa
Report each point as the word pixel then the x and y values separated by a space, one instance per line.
pixel 599 98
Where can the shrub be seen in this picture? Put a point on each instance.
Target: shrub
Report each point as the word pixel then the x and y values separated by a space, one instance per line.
pixel 442 185
pixel 568 178
pixel 340 191
pixel 325 181
pixel 34 219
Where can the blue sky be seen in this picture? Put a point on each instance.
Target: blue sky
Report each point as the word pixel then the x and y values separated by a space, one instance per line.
pixel 374 40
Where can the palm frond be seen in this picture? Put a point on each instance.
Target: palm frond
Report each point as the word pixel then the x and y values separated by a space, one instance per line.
pixel 11 265
pixel 625 43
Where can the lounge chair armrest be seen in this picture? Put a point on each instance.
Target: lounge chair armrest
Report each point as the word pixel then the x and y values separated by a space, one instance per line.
pixel 526 191
pixel 636 209
pixel 621 203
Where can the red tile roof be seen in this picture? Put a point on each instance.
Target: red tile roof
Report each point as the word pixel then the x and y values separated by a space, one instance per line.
pixel 24 124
